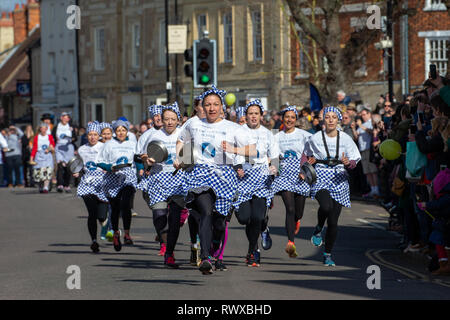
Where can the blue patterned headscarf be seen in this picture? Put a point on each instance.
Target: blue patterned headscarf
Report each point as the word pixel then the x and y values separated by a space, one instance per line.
pixel 155 109
pixel 173 107
pixel 214 90
pixel 104 125
pixel 257 103
pixel 290 108
pixel 332 109
pixel 240 112
pixel 94 126
pixel 120 123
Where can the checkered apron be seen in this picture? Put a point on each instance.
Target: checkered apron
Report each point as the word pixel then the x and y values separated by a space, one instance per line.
pixel 335 180
pixel 256 182
pixel 221 179
pixel 162 185
pixel 91 183
pixel 289 180
pixel 115 181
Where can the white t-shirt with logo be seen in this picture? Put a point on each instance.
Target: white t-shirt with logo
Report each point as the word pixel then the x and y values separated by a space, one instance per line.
pixel 292 145
pixel 316 147
pixel 266 146
pixel 141 145
pixel 64 133
pixel 170 142
pixel 89 155
pixel 208 137
pixel 115 152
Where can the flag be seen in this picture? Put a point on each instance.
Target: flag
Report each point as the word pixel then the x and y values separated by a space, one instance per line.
pixel 315 101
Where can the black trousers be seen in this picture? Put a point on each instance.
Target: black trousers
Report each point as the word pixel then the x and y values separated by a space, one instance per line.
pixel 211 223
pixel 295 205
pixel 13 164
pixel 97 210
pixel 168 217
pixel 63 175
pixel 122 203
pixel 329 211
pixel 252 214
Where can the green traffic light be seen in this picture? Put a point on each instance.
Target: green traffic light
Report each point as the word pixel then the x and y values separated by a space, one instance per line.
pixel 204 79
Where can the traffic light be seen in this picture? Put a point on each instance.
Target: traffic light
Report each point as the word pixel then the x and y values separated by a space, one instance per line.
pixel 188 69
pixel 205 63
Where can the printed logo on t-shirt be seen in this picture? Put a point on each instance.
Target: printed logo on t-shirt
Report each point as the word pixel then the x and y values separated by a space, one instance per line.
pixel 91 166
pixel 208 150
pixel 169 159
pixel 290 154
pixel 44 147
pixel 122 160
pixel 62 136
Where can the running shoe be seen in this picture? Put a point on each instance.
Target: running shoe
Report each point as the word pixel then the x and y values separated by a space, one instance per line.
pixel 184 217
pixel 60 189
pixel 327 261
pixel 45 191
pixel 291 250
pixel 169 261
pixel 218 265
pixel 127 240
pixel 95 247
pixel 297 227
pixel 116 241
pixel 194 254
pixel 134 213
pixel 206 266
pixel 266 240
pixel 162 249
pixel 110 235
pixel 67 190
pixel 316 238
pixel 257 258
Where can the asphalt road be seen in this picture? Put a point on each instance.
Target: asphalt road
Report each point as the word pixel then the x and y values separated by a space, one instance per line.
pixel 42 235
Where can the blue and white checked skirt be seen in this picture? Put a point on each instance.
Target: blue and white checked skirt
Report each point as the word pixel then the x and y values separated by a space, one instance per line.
pixel 162 185
pixel 335 180
pixel 91 183
pixel 222 180
pixel 115 181
pixel 289 180
pixel 256 182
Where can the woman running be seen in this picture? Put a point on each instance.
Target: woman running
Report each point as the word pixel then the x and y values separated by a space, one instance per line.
pixel 42 158
pixel 332 151
pixel 164 187
pixel 120 180
pixel 90 188
pixel 212 182
pixel 291 142
pixel 255 194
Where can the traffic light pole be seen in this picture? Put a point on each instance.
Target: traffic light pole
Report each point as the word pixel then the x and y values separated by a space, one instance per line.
pixel 167 49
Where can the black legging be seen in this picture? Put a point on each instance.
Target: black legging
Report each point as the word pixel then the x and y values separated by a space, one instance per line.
pixel 329 211
pixel 122 203
pixel 63 175
pixel 96 210
pixel 193 222
pixel 210 222
pixel 171 217
pixel 295 205
pixel 252 214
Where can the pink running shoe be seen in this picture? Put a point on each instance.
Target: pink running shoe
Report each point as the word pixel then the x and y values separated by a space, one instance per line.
pixel 162 250
pixel 184 216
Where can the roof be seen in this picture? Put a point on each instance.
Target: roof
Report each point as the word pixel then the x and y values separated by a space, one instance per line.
pixel 15 66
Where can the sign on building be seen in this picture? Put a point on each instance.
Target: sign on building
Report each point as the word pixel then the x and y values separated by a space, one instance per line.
pixel 177 38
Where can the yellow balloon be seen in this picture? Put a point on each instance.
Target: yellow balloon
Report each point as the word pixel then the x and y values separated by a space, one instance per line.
pixel 390 149
pixel 230 99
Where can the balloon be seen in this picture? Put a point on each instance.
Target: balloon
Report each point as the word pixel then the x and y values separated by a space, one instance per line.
pixel 390 149
pixel 230 99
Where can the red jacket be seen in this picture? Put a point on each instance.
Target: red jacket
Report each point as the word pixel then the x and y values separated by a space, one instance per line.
pixel 35 144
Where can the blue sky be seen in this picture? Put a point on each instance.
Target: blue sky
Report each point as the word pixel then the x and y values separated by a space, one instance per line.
pixel 8 5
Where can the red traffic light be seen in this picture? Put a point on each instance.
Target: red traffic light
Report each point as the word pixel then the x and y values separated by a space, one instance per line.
pixel 204 53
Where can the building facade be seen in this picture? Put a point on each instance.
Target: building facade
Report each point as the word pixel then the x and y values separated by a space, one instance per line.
pixel 55 74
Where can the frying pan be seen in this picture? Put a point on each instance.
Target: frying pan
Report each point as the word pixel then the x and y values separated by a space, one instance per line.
pixel 120 166
pixel 75 164
pixel 310 173
pixel 187 157
pixel 158 151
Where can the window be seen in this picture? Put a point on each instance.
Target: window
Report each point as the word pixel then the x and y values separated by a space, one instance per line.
pixel 136 45
pixel 434 5
pixel 100 48
pixel 437 53
pixel 257 35
pixel 201 25
pixel 302 58
pixel 162 43
pixel 228 37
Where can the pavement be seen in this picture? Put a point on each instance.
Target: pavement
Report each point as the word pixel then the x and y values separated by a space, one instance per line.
pixel 44 236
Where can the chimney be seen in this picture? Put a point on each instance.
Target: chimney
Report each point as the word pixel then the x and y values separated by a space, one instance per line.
pixel 20 28
pixel 34 17
pixel 6 20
